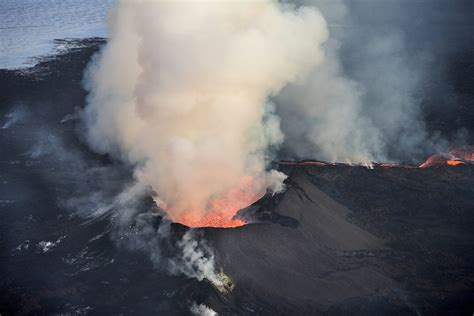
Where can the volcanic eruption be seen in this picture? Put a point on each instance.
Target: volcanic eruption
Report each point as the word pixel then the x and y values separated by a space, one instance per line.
pixel 196 110
pixel 193 106
pixel 456 156
pixel 181 93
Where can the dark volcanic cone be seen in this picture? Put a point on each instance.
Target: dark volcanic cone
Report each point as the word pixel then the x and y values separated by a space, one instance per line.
pixel 304 264
pixel 389 253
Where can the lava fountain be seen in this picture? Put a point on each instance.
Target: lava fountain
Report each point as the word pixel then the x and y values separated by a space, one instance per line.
pixel 220 212
pixel 457 156
pixel 189 105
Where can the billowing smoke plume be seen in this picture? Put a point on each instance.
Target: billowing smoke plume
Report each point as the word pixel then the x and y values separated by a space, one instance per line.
pixel 368 100
pixel 181 92
pixel 193 93
pixel 338 117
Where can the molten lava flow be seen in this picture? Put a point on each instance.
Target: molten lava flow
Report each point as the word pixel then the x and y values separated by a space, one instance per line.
pixel 455 162
pixel 221 211
pixel 457 156
pixel 223 220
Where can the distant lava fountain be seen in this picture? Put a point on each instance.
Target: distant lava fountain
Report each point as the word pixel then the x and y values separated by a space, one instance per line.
pixel 457 156
pixel 438 160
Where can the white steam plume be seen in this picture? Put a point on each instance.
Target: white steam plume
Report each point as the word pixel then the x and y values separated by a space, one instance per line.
pixel 180 91
pixel 201 310
pixel 196 260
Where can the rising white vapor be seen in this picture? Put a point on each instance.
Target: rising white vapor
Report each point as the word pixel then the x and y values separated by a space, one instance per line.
pixel 181 92
pixel 201 310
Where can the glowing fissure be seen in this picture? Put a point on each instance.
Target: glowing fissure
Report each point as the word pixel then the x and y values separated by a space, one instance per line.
pixel 457 156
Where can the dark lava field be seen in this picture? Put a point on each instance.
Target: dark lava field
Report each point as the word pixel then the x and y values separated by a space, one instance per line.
pixel 342 240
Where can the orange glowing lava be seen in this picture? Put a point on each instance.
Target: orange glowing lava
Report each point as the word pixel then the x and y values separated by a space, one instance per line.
pixel 463 153
pixel 457 156
pixel 455 162
pixel 221 211
pixel 212 220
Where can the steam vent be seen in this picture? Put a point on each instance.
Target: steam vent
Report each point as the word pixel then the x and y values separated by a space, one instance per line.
pixel 237 157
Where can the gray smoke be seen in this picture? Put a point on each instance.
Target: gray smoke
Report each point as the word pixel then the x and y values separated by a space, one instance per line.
pixel 367 100
pixel 96 192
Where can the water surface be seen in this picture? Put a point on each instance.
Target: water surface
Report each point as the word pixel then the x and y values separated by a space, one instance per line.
pixel 29 27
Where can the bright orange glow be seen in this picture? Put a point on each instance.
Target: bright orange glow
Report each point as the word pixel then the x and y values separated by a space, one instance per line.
pixel 457 156
pixel 440 160
pixel 221 211
pixel 212 220
pixel 455 162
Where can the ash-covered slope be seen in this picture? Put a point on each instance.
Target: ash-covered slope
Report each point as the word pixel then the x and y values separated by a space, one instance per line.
pixel 388 240
pixel 297 263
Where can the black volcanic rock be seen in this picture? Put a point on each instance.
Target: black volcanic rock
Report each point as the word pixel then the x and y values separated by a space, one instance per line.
pixel 388 240
pixel 340 240
pixel 302 266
